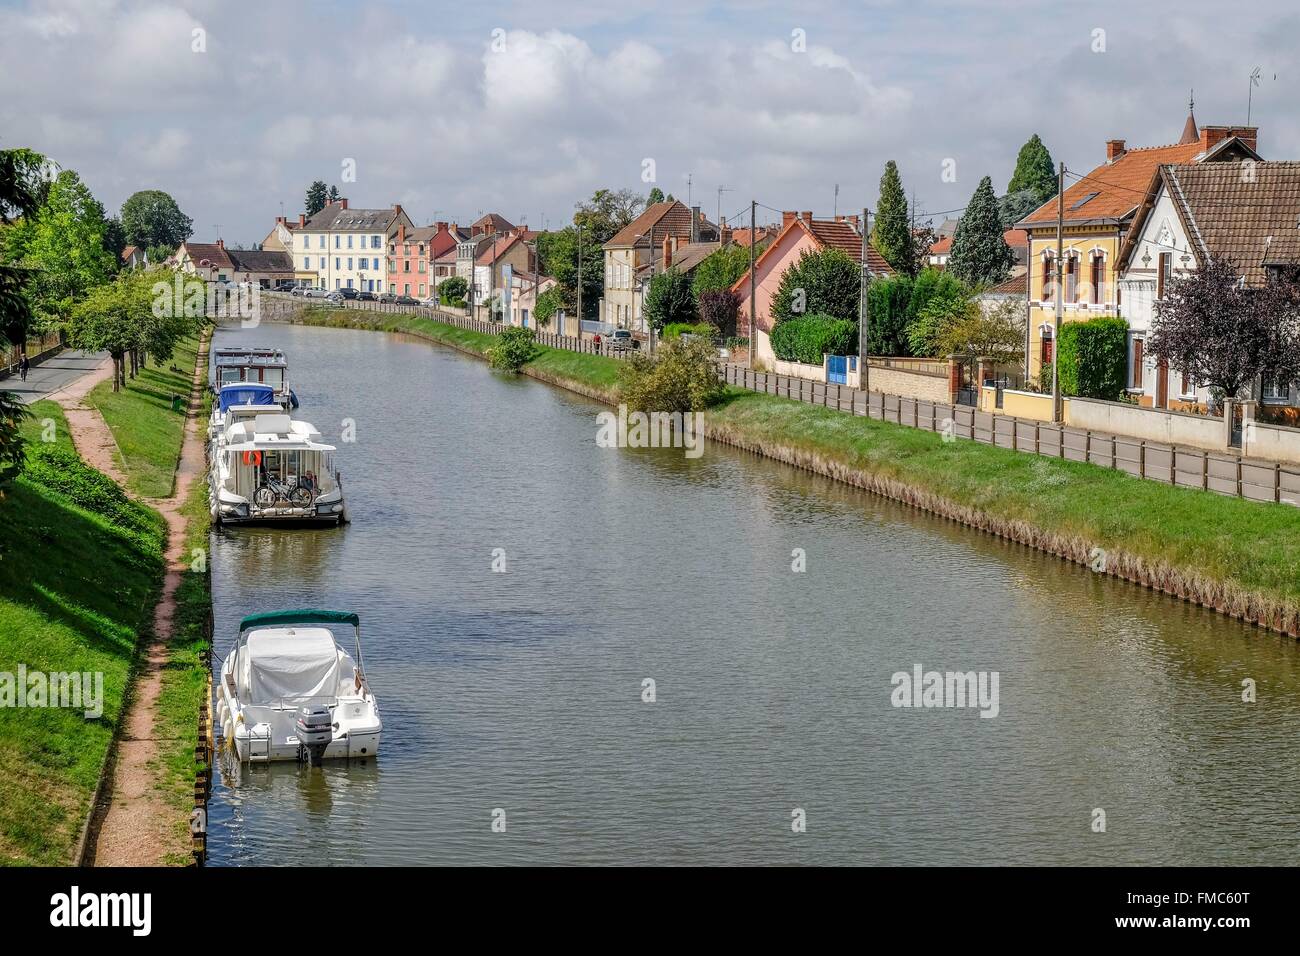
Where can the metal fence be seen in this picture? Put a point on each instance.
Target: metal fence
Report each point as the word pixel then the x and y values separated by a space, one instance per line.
pixel 1220 472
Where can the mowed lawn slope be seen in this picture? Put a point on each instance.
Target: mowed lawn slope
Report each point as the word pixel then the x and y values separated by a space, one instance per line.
pixel 148 430
pixel 80 570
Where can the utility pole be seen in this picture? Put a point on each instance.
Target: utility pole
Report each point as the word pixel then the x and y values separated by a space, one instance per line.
pixel 835 203
pixel 649 329
pixel 753 232
pixel 1060 300
pixel 579 281
pixel 863 282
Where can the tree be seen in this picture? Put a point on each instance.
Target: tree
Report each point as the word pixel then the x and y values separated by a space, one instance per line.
pixel 998 334
pixel 938 299
pixel 1222 333
pixel 1016 206
pixel 152 218
pixel 683 378
pixel 557 254
pixel 979 253
pixel 21 194
pixel 62 248
pixel 888 311
pixel 892 235
pixel 334 194
pixel 114 237
pixel 452 291
pixel 605 213
pixel 548 303
pixel 317 193
pixel 719 308
pixel 656 195
pixel 669 300
pixel 1034 171
pixel 827 281
pixel 720 269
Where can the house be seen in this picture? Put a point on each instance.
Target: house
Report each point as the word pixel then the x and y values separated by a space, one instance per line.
pixel 280 238
pixel 1014 289
pixel 134 257
pixel 1098 210
pixel 442 251
pixel 1017 239
pixel 747 237
pixel 1247 211
pixel 502 250
pixel 800 233
pixel 490 224
pixel 207 260
pixel 344 248
pixel 266 268
pixel 638 246
pixel 525 287
pixel 409 266
pixel 467 251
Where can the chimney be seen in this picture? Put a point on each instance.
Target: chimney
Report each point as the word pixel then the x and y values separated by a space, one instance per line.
pixel 695 224
pixel 343 203
pixel 668 253
pixel 787 218
pixel 725 236
pixel 1114 149
pixel 441 226
pixel 221 243
pixel 854 221
pixel 401 232
pixel 1212 136
pixel 302 219
pixel 806 217
pixel 279 220
pixel 397 209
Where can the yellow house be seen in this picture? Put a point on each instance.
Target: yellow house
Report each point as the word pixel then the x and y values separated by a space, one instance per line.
pixel 1099 208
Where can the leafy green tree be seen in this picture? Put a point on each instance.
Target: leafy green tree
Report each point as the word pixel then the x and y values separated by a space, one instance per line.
pixel 114 237
pixel 152 218
pixel 669 300
pixel 656 195
pixel 62 248
pixel 22 191
pixel 998 334
pixel 888 309
pixel 605 213
pixel 979 253
pixel 452 291
pixel 719 309
pixel 557 253
pixel 938 298
pixel 317 194
pixel 1034 170
pixel 682 378
pixel 548 303
pixel 1016 206
pixel 826 282
pixel 720 269
pixel 892 235
pixel 334 194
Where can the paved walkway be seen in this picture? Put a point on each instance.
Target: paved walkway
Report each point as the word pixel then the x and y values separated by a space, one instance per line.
pixel 54 375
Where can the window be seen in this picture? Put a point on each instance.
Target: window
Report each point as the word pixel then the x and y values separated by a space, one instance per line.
pixel 1048 291
pixel 423 292
pixel 406 289
pixel 349 283
pixel 424 266
pixel 337 263
pixel 406 248
pixel 305 242
pixel 406 265
pixel 376 242
pixel 349 242
pixel 1165 274
pixel 392 265
pixel 322 262
pixel 1072 279
pixel 1045 346
pixel 1271 390
pixel 321 244
pixel 392 287
pixel 1098 278
pixel 336 242
pixel 1135 380
pixel 306 262
pixel 338 283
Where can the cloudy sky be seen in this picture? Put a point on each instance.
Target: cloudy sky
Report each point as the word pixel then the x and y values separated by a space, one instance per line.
pixel 454 109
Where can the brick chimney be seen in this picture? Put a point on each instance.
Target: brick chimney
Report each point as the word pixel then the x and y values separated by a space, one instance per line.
pixel 279 220
pixel 221 243
pixel 806 217
pixel 397 209
pixel 302 219
pixel 401 232
pixel 725 235
pixel 343 203
pixel 667 253
pixel 1212 136
pixel 787 218
pixel 1114 149
pixel 440 226
pixel 695 224
pixel 854 221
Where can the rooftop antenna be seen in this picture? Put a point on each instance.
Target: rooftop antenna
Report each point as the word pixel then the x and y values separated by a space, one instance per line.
pixel 688 190
pixel 721 190
pixel 1250 91
pixel 835 204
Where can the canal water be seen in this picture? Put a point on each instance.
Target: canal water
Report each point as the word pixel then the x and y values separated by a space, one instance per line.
pixel 523 691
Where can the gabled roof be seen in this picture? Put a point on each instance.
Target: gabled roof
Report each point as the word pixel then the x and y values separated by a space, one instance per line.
pixel 495 248
pixel 492 222
pixel 1015 286
pixel 208 252
pixel 826 234
pixel 684 258
pixel 1253 219
pixel 665 218
pixel 334 218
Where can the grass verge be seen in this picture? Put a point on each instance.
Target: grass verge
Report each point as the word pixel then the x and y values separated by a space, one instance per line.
pixel 80 570
pixel 1239 556
pixel 148 430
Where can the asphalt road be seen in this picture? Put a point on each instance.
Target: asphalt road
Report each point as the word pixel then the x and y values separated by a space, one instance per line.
pixel 52 375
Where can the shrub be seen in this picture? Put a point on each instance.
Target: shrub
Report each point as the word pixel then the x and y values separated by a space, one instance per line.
pixel 514 348
pixel 808 339
pixel 690 328
pixel 1093 360
pixel 548 303
pixel 938 299
pixel 998 334
pixel 888 302
pixel 719 309
pixel 452 291
pixel 683 378
pixel 670 300
pixel 720 270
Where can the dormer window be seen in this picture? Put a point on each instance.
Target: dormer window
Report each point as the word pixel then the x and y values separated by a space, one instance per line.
pixel 1085 200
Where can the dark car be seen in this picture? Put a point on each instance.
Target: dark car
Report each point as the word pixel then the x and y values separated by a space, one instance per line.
pixel 366 297
pixel 387 297
pixel 405 300
pixel 348 293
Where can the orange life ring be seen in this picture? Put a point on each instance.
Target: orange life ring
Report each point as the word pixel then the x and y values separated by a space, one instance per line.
pixel 252 458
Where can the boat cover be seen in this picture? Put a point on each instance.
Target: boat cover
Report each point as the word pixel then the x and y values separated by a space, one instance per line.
pixel 291 664
pixel 245 393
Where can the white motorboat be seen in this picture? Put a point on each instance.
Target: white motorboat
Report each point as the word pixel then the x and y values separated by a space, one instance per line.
pixel 254 364
pixel 266 467
pixel 290 691
pixel 239 397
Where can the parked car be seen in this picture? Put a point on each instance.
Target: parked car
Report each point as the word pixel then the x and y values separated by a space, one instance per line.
pixel 431 302
pixel 366 297
pixel 621 340
pixel 336 297
pixel 387 297
pixel 316 293
pixel 405 300
pixel 347 293
pixel 298 290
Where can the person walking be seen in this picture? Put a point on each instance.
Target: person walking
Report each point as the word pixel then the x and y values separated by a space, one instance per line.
pixel 23 366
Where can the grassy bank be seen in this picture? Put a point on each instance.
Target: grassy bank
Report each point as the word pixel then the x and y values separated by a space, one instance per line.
pixel 1239 556
pixel 80 570
pixel 148 430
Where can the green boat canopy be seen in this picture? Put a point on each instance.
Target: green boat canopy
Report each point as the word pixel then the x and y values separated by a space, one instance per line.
pixel 302 616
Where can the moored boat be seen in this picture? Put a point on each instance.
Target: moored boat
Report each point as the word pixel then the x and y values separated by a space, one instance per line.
pixel 289 690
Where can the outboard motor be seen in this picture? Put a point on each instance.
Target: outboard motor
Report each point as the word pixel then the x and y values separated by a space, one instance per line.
pixel 315 731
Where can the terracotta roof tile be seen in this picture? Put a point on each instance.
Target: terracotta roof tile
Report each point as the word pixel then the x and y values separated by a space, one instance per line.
pixel 667 219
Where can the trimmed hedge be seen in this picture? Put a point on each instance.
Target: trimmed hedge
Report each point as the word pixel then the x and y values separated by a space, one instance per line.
pixel 808 339
pixel 674 329
pixel 1093 361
